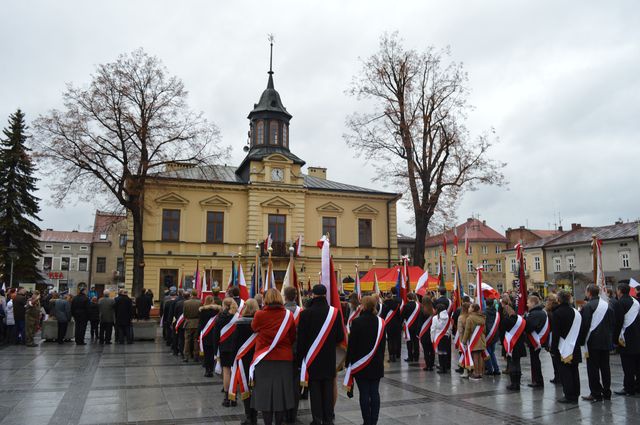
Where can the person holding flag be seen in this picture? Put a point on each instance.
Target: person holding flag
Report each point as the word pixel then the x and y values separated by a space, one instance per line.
pixel 206 320
pixel 537 330
pixel 410 315
pixel 474 340
pixel 393 322
pixel 512 327
pixel 320 331
pixel 365 359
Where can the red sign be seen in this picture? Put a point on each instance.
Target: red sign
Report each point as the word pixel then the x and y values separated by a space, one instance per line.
pixel 56 275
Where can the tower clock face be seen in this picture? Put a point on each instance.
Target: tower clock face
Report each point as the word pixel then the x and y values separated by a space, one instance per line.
pixel 277 174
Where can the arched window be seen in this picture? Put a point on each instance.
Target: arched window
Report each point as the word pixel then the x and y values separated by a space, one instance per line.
pixel 285 135
pixel 260 133
pixel 274 132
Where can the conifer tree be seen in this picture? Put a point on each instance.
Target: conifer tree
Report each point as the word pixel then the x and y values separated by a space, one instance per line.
pixel 19 206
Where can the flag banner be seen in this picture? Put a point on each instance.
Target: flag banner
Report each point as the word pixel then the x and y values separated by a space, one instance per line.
pixel 521 293
pixel 242 284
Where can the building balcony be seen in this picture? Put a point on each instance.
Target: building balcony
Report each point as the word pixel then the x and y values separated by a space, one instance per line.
pixel 279 249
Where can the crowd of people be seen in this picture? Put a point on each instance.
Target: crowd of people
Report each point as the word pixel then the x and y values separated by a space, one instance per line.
pixel 22 314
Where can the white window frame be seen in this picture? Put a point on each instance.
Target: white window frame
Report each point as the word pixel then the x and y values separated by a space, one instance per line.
pixel 498 249
pixel 84 248
pixel 499 266
pixel 536 263
pixel 513 265
pixel 470 266
pixel 571 261
pixel 484 249
pixel 66 247
pixel 557 264
pixel 48 247
pixel 87 264
pixel 485 265
pixel 625 257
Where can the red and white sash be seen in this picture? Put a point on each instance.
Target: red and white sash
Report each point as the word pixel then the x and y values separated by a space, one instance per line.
pixel 494 328
pixel 357 366
pixel 410 321
pixel 228 329
pixel 596 319
pixel 352 317
pixel 450 308
pixel 629 317
pixel 287 321
pixel 205 331
pixel 512 336
pixel 238 377
pixel 179 322
pixel 317 345
pixel 537 339
pixel 426 326
pixel 441 335
pixel 389 316
pixel 567 345
pixel 296 314
pixel 475 337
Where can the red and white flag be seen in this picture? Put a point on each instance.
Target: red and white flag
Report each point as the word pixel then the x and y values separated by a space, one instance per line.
pixel 601 281
pixel 242 284
pixel 634 286
pixel 268 242
pixel 455 240
pixel 466 241
pixel 328 280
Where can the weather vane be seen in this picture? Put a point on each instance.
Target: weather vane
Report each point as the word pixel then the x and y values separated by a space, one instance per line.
pixel 271 40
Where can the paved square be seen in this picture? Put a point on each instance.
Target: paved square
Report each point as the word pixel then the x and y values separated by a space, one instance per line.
pixel 144 384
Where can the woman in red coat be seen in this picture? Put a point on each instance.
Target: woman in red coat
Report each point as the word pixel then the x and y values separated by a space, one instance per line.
pixel 273 381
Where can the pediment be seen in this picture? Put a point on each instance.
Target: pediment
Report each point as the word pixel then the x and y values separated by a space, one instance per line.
pixel 365 209
pixel 331 208
pixel 277 158
pixel 277 202
pixel 215 201
pixel 172 199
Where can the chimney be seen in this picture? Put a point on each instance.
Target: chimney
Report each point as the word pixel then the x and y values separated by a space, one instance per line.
pixel 560 229
pixel 318 172
pixel 576 226
pixel 484 222
pixel 521 227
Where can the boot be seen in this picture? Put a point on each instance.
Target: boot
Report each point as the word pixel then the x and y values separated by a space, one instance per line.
pixel 515 382
pixel 226 402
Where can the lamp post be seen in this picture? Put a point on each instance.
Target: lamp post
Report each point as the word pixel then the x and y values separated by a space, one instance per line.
pixel 14 256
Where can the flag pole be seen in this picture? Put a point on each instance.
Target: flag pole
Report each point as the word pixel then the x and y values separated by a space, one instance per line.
pixel 594 249
pixel 256 271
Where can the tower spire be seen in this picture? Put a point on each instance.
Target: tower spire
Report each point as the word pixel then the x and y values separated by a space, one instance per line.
pixel 270 83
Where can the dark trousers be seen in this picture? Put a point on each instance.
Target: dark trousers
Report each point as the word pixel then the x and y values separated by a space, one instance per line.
pixel 321 393
pixel 597 368
pixel 429 353
pixel 393 342
pixel 631 370
pixel 81 329
pixel 555 361
pixel 513 365
pixel 570 379
pixel 167 332
pixel 62 331
pixel 536 366
pixel 369 400
pixel 124 331
pixel 291 414
pixel 209 355
pixel 492 363
pixel 95 329
pixel 413 348
pixel 177 343
pixel 20 331
pixel 106 329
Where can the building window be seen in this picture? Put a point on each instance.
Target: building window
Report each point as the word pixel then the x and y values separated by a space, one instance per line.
pixel 513 265
pixel 500 288
pixel 103 236
pixel 444 268
pixel 485 265
pixel 170 225
pixel 285 135
pixel 469 266
pixel 484 249
pixel 536 264
pixel 66 248
pixel 101 264
pixel 274 132
pixel 277 227
pixel 499 266
pixel 557 264
pixel 82 264
pixel 260 133
pixel 330 226
pixel 120 267
pixel 122 240
pixel 470 250
pixel 364 233
pixel 498 249
pixel 84 248
pixel 215 226
pixel 64 263
pixel 48 247
pixel 47 264
pixel 570 263
pixel 624 260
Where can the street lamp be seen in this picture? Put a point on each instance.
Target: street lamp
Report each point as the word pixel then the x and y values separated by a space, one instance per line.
pixel 13 254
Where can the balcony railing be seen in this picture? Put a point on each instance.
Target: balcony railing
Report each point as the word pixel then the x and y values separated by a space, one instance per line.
pixel 279 249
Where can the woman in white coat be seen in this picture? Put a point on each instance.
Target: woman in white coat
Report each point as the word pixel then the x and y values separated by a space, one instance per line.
pixel 441 337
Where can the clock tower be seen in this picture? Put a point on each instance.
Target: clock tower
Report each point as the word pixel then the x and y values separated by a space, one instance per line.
pixel 269 159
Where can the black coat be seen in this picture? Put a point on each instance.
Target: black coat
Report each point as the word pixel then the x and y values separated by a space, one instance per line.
pixel 94 312
pixel 536 319
pixel 123 308
pixel 361 340
pixel 240 336
pixel 223 319
pixel 426 338
pixel 406 313
pixel 490 314
pixel 178 308
pixel 601 337
pixel 632 333
pixel 167 312
pixel 206 313
pixel 311 321
pixel 394 326
pixel 80 308
pixel 506 324
pixel 561 321
pixel 143 306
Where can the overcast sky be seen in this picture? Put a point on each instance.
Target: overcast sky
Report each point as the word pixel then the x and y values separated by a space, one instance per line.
pixel 559 81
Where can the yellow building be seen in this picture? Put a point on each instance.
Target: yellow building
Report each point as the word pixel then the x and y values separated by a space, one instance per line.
pixel 534 266
pixel 213 215
pixel 486 248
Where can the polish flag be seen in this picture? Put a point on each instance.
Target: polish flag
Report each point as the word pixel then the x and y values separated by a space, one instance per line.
pixel 466 241
pixel 328 279
pixel 242 284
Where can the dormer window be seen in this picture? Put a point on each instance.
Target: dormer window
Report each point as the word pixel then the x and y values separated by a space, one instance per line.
pixel 260 133
pixel 274 132
pixel 285 135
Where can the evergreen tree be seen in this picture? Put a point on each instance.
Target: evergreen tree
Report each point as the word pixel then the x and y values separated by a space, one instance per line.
pixel 18 206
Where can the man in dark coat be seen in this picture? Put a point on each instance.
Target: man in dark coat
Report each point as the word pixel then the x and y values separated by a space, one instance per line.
pixel 598 342
pixel 123 307
pixel 536 320
pixel 413 344
pixel 322 371
pixel 167 317
pixel 394 326
pixel 19 314
pixel 107 317
pixel 177 345
pixel 143 305
pixel 561 322
pixel 628 339
pixel 80 313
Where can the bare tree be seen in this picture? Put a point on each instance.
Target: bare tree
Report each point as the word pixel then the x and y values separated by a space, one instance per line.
pixel 414 133
pixel 131 121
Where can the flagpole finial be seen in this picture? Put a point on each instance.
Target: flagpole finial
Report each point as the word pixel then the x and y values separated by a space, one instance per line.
pixel 271 40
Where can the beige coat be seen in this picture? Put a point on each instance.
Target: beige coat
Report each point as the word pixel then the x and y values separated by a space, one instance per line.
pixel 475 319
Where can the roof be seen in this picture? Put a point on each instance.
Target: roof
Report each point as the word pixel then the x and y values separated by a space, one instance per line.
pixel 476 231
pixel 405 238
pixel 538 243
pixel 270 100
pixel 103 223
pixel 227 174
pixel 66 237
pixel 584 234
pixel 257 153
pixel 546 233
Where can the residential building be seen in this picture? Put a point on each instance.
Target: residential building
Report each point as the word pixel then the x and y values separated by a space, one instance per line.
pixel 107 254
pixel 406 245
pixel 524 235
pixel 486 248
pixel 65 260
pixel 211 216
